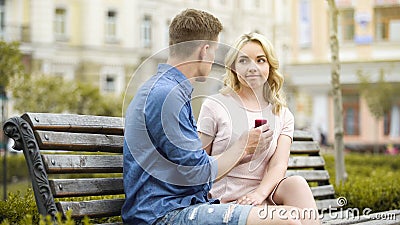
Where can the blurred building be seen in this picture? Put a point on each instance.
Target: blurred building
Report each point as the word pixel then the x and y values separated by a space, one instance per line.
pixel 103 41
pixel 369 40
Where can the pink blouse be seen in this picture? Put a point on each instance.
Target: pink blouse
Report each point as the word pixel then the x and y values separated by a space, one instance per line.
pixel 222 117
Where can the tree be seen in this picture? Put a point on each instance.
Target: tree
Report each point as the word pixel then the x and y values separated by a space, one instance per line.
pixel 379 96
pixel 10 66
pixel 337 95
pixel 46 93
pixel 10 63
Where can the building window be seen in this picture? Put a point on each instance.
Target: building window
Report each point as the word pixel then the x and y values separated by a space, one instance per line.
pixel 109 83
pixel 111 26
pixel 305 24
pixel 351 109
pixel 146 32
pixel 387 23
pixel 60 21
pixel 346 24
pixel 391 121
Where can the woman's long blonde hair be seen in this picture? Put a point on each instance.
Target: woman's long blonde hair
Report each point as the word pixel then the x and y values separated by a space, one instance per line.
pixel 272 88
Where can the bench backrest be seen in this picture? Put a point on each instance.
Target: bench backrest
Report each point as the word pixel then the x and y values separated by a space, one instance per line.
pixel 305 160
pixel 74 159
pixel 71 156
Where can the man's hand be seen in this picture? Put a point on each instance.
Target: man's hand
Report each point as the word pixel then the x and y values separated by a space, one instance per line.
pixel 249 142
pixel 256 139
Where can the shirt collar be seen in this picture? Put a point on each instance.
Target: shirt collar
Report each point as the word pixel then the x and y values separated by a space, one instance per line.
pixel 170 71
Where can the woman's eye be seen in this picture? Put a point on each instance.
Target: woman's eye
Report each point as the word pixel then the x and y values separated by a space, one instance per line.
pixel 261 60
pixel 243 61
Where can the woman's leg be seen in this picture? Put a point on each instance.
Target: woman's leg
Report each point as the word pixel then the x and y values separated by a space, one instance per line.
pixel 295 191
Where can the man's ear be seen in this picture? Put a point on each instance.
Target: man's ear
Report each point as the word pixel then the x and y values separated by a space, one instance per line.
pixel 203 51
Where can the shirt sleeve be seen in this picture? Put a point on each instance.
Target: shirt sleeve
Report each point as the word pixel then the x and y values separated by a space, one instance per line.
pixel 288 123
pixel 207 123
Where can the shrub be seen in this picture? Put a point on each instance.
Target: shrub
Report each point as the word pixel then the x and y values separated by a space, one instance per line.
pixel 16 207
pixel 373 181
pixel 19 209
pixel 27 220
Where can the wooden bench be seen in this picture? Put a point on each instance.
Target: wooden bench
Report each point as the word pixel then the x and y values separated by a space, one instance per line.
pixel 58 148
pixel 72 156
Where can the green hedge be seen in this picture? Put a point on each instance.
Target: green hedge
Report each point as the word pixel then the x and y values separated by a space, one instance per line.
pixel 14 210
pixel 18 209
pixel 373 181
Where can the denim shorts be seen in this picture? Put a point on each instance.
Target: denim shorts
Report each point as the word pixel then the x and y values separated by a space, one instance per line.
pixel 207 214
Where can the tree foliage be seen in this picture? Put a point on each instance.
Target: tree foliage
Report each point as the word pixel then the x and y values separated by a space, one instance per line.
pixel 46 93
pixel 10 62
pixel 379 95
pixel 40 93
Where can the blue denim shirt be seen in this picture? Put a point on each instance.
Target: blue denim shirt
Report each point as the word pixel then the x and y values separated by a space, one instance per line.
pixel 165 167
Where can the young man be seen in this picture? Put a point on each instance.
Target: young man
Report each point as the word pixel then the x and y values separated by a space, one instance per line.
pixel 167 174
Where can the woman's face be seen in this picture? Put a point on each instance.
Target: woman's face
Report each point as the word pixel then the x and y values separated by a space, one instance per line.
pixel 252 66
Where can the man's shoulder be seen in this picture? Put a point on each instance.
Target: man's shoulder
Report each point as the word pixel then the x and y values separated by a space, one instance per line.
pixel 159 86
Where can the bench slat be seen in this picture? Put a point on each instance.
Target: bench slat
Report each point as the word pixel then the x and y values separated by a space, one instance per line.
pixel 94 208
pixel 320 191
pixel 50 140
pixel 300 135
pixel 75 123
pixel 306 162
pixel 308 147
pixel 310 175
pixel 327 204
pixel 86 187
pixel 57 163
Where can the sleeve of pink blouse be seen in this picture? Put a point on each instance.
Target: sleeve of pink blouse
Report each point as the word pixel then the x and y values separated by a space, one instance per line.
pixel 207 123
pixel 288 123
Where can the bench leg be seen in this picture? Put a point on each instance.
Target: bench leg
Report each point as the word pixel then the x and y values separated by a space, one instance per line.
pixel 24 139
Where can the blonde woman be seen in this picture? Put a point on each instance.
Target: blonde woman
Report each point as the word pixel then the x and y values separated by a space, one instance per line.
pixel 252 90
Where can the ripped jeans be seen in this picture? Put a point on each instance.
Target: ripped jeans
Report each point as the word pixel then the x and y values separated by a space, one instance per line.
pixel 207 214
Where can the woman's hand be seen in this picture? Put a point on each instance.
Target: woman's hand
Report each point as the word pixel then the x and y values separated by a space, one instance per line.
pixel 252 198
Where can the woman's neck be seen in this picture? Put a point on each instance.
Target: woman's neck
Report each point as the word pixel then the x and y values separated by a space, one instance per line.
pixel 252 99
